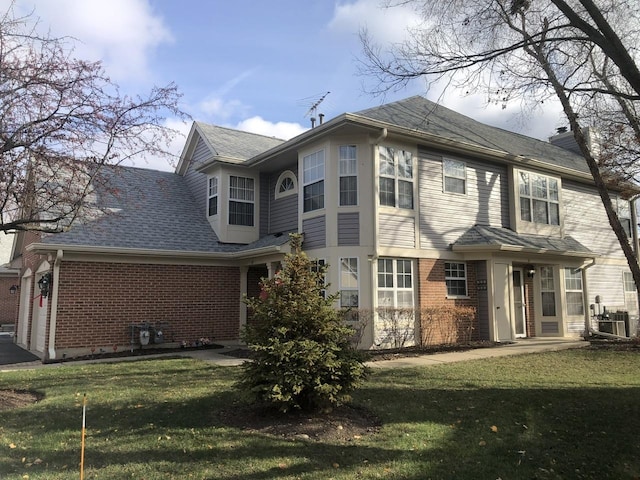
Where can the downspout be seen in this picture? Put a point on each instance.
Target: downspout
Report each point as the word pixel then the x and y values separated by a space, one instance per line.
pixel 634 234
pixel 585 298
pixel 374 283
pixel 54 305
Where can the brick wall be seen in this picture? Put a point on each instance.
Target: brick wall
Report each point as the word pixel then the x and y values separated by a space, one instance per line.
pixel 432 292
pixel 98 303
pixel 8 302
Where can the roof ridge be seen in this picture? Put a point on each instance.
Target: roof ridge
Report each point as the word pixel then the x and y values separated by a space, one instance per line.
pixel 200 123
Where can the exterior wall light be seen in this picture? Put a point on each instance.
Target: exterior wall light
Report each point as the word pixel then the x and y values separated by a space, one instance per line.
pixel 530 270
pixel 13 289
pixel 44 284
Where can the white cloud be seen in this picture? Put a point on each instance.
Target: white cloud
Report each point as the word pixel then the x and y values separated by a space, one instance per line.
pixel 385 25
pixel 283 130
pixel 120 33
pixel 221 109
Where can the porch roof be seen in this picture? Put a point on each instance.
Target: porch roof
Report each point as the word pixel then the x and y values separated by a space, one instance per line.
pixel 482 237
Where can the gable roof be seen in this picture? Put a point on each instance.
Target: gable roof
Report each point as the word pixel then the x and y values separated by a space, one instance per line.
pixel 147 210
pixel 421 115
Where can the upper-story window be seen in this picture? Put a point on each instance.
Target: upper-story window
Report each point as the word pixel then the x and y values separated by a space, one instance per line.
pixel 624 215
pixel 539 198
pixel 455 176
pixel 213 196
pixel 286 185
pixel 396 177
pixel 348 175
pixel 313 181
pixel 241 201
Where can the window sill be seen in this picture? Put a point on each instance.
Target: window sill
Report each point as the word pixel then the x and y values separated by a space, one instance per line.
pixel 458 297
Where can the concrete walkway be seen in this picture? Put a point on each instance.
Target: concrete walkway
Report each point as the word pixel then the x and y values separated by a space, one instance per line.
pixel 217 357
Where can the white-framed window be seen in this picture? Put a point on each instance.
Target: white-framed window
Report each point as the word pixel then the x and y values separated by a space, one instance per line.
pixel 454 176
pixel 348 175
pixel 313 181
pixel 349 283
pixel 395 177
pixel 548 292
pixel 455 277
pixel 630 293
pixel 286 185
pixel 212 196
pixel 539 198
pixel 395 283
pixel 624 215
pixel 241 201
pixel 573 291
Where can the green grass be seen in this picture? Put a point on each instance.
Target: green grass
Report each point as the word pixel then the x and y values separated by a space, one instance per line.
pixel 572 414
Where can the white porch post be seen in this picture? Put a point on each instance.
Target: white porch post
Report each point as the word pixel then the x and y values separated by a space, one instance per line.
pixel 243 292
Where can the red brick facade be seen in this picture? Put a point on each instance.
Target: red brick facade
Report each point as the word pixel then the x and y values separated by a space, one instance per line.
pixel 8 302
pixel 99 302
pixel 432 292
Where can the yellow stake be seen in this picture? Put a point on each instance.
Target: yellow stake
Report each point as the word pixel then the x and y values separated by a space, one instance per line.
pixel 84 410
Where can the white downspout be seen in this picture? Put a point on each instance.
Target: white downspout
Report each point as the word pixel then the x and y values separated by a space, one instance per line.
pixel 585 297
pixel 54 305
pixel 374 259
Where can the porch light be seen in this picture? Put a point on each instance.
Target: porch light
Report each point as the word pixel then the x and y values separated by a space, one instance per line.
pixel 44 284
pixel 530 270
pixel 13 289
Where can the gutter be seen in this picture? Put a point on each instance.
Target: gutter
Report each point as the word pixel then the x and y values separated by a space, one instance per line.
pixel 519 249
pixel 42 248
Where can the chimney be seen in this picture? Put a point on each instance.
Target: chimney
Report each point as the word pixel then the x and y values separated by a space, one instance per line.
pixel 321 118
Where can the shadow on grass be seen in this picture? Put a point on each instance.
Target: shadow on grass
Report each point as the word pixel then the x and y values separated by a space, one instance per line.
pixel 461 432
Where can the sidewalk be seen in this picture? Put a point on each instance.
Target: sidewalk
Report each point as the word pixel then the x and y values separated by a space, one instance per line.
pixel 215 356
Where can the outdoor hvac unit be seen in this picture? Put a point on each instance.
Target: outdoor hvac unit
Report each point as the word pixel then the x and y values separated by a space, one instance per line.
pixel 616 327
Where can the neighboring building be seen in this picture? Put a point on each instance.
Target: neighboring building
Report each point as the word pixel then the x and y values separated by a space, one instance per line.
pixel 9 282
pixel 410 204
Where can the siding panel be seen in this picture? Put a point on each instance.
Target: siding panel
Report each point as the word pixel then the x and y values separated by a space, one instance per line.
pixel 397 231
pixel 282 213
pixel 197 182
pixel 485 203
pixel 314 232
pixel 349 228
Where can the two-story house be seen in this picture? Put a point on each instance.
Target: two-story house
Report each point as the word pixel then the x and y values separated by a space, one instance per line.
pixel 410 204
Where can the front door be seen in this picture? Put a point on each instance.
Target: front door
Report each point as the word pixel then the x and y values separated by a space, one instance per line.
pixel 502 302
pixel 519 304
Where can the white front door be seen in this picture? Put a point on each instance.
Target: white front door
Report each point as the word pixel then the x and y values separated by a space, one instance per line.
pixel 519 304
pixel 502 301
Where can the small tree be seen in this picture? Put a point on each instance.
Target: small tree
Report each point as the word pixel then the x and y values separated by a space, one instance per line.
pixel 303 358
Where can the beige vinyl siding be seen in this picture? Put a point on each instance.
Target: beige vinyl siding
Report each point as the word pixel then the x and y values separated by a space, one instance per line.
pixel 349 228
pixel 315 233
pixel 606 281
pixel 197 182
pixel 586 220
pixel 396 230
pixel 446 216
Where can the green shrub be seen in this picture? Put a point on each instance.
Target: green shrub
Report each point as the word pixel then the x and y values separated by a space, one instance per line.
pixel 302 355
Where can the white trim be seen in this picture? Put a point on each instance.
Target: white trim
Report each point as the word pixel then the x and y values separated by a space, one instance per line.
pixel 287 193
pixel 463 178
pixel 357 278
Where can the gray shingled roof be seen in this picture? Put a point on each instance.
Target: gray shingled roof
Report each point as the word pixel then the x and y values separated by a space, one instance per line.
pixel 422 115
pixel 482 235
pixel 236 144
pixel 152 210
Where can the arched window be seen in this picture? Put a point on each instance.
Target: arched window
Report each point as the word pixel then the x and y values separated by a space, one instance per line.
pixel 286 185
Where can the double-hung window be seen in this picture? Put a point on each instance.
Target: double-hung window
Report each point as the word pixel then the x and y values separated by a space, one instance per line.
pixel 395 283
pixel 349 282
pixel 455 277
pixel 455 176
pixel 241 201
pixel 539 198
pixel 573 291
pixel 348 175
pixel 395 177
pixel 213 196
pixel 313 181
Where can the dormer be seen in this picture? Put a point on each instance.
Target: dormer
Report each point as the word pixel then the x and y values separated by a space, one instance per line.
pixel 214 161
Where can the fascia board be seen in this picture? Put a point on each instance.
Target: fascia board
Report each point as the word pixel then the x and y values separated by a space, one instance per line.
pixel 519 249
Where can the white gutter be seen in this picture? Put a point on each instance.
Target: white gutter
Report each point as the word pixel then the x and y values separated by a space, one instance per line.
pixel 54 305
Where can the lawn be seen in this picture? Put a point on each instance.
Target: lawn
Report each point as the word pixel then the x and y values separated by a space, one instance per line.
pixel 571 414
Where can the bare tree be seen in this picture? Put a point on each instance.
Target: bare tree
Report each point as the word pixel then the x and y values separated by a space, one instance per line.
pixel 61 120
pixel 533 51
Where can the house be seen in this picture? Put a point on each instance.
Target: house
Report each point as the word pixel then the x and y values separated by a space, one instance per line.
pixel 9 280
pixel 410 204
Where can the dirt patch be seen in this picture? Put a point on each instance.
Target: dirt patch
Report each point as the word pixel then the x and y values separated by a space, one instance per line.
pixel 17 398
pixel 342 424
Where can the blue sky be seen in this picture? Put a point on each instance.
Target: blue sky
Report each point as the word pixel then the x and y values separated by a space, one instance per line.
pixel 254 65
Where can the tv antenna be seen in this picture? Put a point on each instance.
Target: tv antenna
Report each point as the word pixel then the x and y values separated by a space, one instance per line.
pixel 311 113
